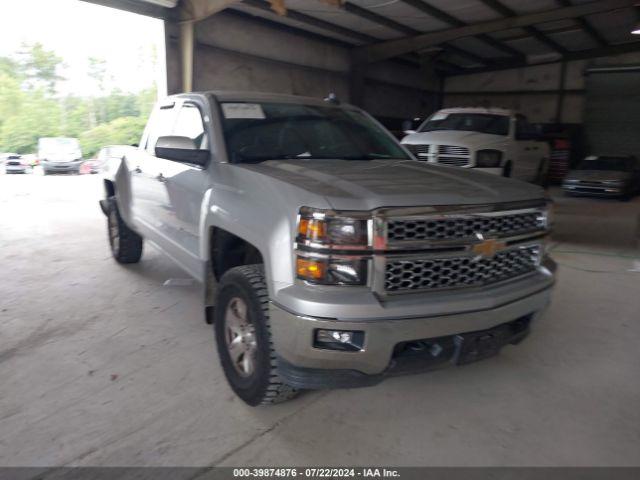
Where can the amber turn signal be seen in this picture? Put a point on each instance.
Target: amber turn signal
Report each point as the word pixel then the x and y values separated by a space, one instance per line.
pixel 310 269
pixel 312 229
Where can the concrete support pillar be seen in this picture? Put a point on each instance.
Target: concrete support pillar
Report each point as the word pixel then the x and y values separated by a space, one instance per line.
pixel 186 54
pixel 173 60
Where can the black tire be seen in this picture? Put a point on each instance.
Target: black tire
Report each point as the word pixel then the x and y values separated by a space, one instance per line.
pixel 126 245
pixel 262 385
pixel 506 171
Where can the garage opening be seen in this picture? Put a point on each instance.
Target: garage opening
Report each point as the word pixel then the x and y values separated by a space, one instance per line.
pixel 70 86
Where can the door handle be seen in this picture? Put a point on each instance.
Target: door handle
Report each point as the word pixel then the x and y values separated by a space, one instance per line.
pixel 161 178
pixel 137 170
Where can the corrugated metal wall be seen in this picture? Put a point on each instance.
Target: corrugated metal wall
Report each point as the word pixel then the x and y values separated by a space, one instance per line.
pixel 612 115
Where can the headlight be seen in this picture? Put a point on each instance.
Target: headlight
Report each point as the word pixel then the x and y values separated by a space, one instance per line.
pixel 547 215
pixel 331 271
pixel 488 158
pixel 328 229
pixel 319 232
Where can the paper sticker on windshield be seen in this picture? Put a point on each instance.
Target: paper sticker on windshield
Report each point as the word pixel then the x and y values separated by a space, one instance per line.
pixel 243 110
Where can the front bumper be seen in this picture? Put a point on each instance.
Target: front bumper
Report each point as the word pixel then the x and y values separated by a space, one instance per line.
pixel 304 366
pixel 596 191
pixel 61 166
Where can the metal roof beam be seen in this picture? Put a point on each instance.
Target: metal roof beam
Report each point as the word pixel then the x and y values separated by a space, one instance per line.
pixel 502 9
pixel 586 26
pixel 327 26
pixel 392 24
pixel 392 48
pixel 618 49
pixel 456 22
pixel 136 6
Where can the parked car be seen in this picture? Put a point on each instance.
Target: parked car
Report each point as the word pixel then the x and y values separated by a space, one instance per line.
pixel 59 154
pixel 329 256
pixel 98 164
pixel 493 140
pixel 14 163
pixel 604 176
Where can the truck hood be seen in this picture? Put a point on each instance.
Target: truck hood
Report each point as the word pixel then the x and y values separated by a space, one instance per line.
pixel 597 175
pixel 365 185
pixel 471 140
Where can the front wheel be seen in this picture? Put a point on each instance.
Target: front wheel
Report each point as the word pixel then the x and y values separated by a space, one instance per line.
pixel 126 245
pixel 243 337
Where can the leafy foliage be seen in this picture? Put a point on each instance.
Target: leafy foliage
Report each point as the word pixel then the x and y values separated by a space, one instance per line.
pixel 31 109
pixel 121 131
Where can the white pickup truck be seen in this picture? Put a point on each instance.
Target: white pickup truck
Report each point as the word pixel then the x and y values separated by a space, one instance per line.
pixel 494 140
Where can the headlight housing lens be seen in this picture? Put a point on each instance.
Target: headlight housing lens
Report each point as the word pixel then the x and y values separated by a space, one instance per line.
pixel 327 229
pixel 322 232
pixel 332 271
pixel 488 158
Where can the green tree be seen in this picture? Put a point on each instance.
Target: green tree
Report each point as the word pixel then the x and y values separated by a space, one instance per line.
pixel 39 67
pixel 38 116
pixel 121 131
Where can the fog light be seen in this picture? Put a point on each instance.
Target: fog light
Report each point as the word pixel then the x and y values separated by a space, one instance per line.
pixel 345 340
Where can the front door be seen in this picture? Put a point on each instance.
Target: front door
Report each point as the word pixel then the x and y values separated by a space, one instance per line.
pixel 182 188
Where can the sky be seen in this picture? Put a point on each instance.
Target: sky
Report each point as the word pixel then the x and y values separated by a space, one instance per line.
pixel 77 30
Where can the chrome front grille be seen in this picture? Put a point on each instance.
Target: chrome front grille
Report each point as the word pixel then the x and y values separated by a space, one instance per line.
pixel 456 227
pixel 453 155
pixel 454 161
pixel 433 272
pixel 420 150
pixel 452 150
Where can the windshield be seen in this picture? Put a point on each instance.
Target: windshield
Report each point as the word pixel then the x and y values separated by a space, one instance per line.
pixel 607 163
pixel 467 122
pixel 69 146
pixel 255 132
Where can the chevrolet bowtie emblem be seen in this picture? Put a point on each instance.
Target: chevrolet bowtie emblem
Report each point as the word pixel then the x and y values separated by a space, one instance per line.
pixel 487 248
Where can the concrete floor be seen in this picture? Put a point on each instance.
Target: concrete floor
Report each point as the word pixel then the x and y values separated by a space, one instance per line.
pixel 104 365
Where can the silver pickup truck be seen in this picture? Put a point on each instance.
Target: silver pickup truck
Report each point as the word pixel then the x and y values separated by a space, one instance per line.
pixel 328 255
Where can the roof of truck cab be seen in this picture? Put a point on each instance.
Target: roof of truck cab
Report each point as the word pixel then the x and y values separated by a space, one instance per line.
pixel 238 96
pixel 482 110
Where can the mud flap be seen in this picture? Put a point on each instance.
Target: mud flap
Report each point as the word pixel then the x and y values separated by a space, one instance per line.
pixel 104 206
pixel 210 287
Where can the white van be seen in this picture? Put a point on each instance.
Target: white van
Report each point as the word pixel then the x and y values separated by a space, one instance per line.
pixel 59 154
pixel 494 140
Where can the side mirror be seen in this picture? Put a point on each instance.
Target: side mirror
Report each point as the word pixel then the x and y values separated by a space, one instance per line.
pixel 181 149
